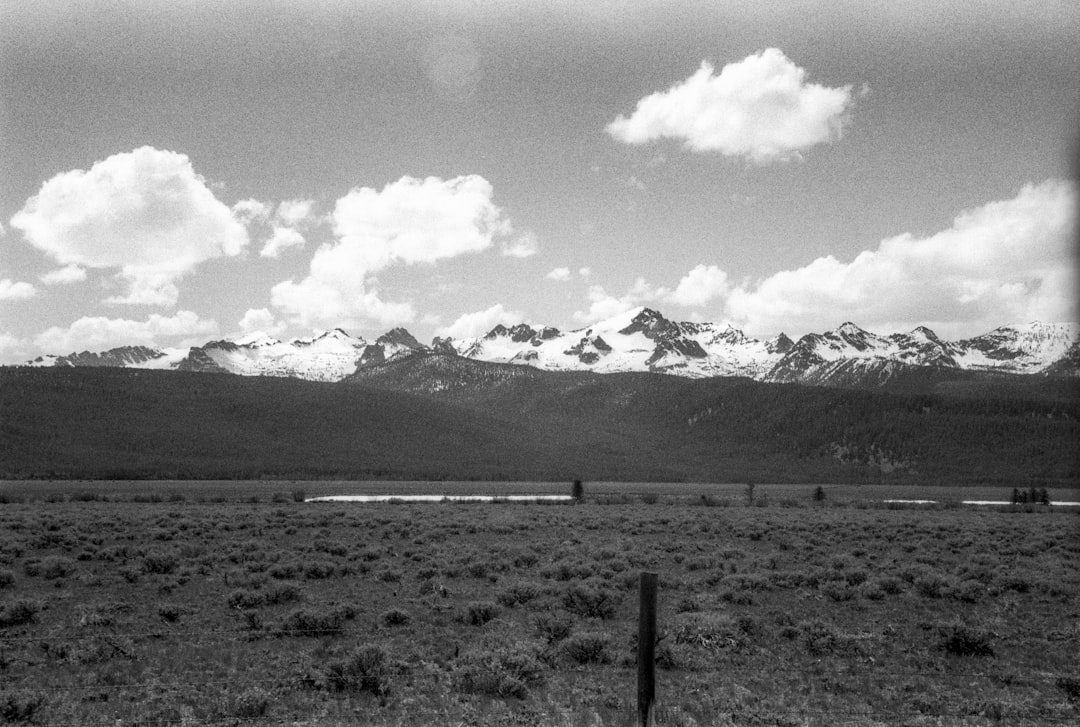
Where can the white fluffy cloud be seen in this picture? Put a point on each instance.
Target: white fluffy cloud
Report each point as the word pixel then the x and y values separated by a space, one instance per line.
pixel 13 350
pixel 410 221
pixel 560 274
pixel 145 212
pixel 480 322
pixel 522 246
pixel 294 212
pixel 604 305
pixel 100 333
pixel 699 286
pixel 760 108
pixel 16 290
pixel 1005 262
pixel 282 239
pixel 65 275
pixel 281 227
pixel 261 320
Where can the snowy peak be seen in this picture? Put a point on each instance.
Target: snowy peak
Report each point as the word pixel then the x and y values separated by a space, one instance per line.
pixel 641 339
pixel 1019 348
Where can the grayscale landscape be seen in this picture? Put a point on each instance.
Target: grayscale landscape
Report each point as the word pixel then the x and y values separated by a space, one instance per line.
pixel 499 364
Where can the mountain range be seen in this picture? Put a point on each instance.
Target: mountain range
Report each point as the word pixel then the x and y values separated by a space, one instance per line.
pixel 640 340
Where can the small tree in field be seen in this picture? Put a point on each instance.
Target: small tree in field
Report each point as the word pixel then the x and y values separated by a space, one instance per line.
pixel 819 494
pixel 577 491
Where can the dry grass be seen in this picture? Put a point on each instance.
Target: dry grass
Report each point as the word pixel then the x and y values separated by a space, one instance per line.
pixel 178 611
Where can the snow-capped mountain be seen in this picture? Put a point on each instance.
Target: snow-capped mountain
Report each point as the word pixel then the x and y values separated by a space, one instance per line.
pixel 638 340
pixel 134 357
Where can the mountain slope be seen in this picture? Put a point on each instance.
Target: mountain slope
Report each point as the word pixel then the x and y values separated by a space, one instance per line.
pixel 641 340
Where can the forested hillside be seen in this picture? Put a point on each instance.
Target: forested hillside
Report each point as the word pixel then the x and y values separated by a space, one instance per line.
pixel 493 423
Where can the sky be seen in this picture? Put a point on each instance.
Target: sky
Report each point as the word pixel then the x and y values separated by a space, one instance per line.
pixel 177 172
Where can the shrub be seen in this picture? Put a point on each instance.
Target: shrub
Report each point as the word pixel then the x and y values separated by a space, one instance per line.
pixel 517 593
pixel 821 639
pixel 552 627
pixel 819 494
pixel 7 578
pixel 395 617
pixel 18 612
pixel 589 647
pixel 298 495
pixel 962 640
pixel 282 571
pixel 577 491
pixel 591 600
pixel 1071 687
pixel 305 622
pixel 56 566
pixel 244 599
pixel 839 591
pixel 478 613
pixel 14 709
pixel 503 671
pixel 169 613
pixel 159 562
pixel 649 498
pixel 283 593
pixel 710 630
pixel 366 669
pixel 251 704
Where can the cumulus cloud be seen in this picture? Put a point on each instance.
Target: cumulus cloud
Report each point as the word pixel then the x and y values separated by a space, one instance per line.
pixel 251 211
pixel 281 227
pixel 16 290
pixel 760 108
pixel 560 274
pixel 64 276
pixel 261 320
pixel 294 212
pixel 1004 262
pixel 699 286
pixel 603 305
pixel 480 322
pixel 522 246
pixel 282 238
pixel 100 333
pixel 411 221
pixel 13 350
pixel 145 213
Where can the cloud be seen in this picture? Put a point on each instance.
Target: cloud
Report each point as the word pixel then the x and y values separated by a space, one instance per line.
pixel 65 275
pixel 261 320
pixel 480 322
pixel 100 333
pixel 560 274
pixel 522 246
pixel 282 239
pixel 250 211
pixel 603 305
pixel 699 286
pixel 1004 262
pixel 280 227
pixel 294 212
pixel 760 108
pixel 411 221
pixel 13 350
pixel 145 212
pixel 16 290
pixel 585 273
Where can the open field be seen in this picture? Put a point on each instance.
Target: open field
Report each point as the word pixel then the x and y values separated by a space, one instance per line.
pixel 174 603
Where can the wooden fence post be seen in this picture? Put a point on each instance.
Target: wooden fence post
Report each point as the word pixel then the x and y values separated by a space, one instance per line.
pixel 646 664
